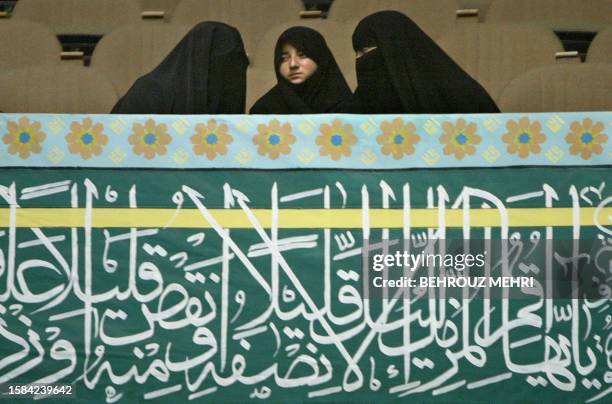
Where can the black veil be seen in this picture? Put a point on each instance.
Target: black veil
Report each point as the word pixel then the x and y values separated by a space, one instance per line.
pixel 409 72
pixel 204 74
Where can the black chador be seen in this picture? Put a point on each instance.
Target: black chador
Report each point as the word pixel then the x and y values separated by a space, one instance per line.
pixel 405 71
pixel 324 92
pixel 204 74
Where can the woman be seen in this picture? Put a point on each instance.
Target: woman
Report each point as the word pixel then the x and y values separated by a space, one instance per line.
pixel 401 70
pixel 204 74
pixel 309 80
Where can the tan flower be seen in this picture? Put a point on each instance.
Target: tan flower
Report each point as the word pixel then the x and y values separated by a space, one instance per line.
pixel 86 138
pixel 150 139
pixel 211 139
pixel 24 138
pixel 524 137
pixel 397 138
pixel 459 139
pixel 274 139
pixel 336 139
pixel 586 139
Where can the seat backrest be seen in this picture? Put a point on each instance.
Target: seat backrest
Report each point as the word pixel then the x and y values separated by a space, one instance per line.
pixel 251 18
pixel 561 15
pixel 478 4
pixel 337 36
pixel 435 17
pixel 134 50
pixel 482 7
pixel 494 54
pixel 30 43
pixel 600 50
pixel 92 17
pixel 56 89
pixel 560 88
pixel 167 6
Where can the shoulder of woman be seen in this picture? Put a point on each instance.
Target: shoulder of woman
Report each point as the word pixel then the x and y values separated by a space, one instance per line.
pixel 145 96
pixel 263 104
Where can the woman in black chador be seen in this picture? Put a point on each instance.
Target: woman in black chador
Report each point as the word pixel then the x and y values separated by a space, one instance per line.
pixel 309 80
pixel 401 70
pixel 204 74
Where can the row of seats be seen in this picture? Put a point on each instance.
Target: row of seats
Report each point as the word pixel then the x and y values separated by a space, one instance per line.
pixel 435 16
pixel 77 89
pixel 438 15
pixel 492 53
pixel 254 17
pixel 559 15
pixel 61 88
pixel 99 17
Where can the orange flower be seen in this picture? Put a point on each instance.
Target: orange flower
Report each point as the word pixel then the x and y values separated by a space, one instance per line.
pixel 524 137
pixel 459 139
pixel 24 138
pixel 397 138
pixel 211 139
pixel 336 139
pixel 149 139
pixel 274 139
pixel 586 139
pixel 86 139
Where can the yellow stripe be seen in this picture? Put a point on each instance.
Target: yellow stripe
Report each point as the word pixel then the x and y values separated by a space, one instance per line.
pixel 296 218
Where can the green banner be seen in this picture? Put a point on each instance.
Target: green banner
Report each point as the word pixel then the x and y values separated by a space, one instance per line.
pixel 245 285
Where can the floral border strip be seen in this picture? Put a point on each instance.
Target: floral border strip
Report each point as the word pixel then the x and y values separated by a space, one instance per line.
pixel 305 141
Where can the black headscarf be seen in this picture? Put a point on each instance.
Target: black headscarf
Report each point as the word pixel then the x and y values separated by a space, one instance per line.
pixel 204 74
pixel 323 92
pixel 409 73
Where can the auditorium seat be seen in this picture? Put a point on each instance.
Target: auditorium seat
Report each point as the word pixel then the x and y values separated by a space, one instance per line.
pixel 55 88
pixel 133 50
pixel 166 6
pixel 91 17
pixel 435 17
pixel 252 18
pixel 600 50
pixel 27 43
pixel 478 4
pixel 482 6
pixel 494 54
pixel 336 34
pixel 560 88
pixel 559 15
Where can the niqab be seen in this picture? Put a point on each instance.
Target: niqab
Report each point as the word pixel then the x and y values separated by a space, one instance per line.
pixel 323 92
pixel 409 73
pixel 204 74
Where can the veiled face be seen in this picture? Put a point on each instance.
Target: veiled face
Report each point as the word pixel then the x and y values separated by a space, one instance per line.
pixel 295 66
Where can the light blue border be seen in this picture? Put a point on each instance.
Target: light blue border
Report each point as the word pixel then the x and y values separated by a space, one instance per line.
pixel 305 153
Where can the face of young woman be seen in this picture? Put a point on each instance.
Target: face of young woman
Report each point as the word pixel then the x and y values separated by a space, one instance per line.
pixel 295 66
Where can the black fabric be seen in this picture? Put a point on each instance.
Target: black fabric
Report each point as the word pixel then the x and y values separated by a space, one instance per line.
pixel 409 73
pixel 325 91
pixel 372 79
pixel 204 74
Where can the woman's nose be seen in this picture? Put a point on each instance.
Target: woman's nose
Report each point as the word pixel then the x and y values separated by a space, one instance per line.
pixel 293 62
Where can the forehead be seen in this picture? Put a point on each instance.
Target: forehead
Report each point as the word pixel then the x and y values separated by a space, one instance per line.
pixel 288 48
